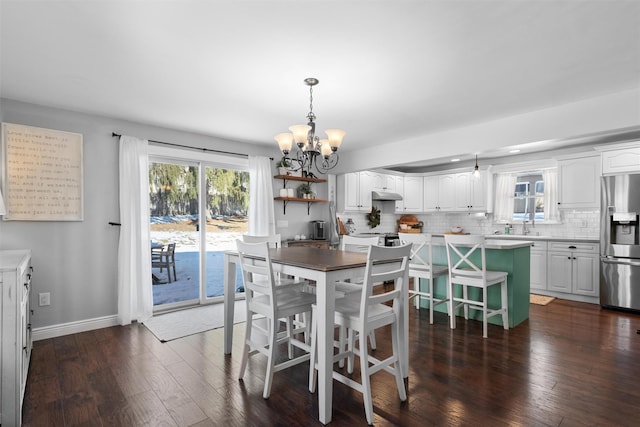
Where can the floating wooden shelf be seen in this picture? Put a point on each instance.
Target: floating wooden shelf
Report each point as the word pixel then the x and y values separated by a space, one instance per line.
pixel 299 178
pixel 286 200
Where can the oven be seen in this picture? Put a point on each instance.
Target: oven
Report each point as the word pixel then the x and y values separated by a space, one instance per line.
pixel 384 239
pixel 391 239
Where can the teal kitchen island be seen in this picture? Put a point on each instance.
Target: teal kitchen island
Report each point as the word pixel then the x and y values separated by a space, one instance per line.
pixel 503 255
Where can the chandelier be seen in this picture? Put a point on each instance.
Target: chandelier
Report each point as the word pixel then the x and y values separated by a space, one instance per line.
pixel 321 154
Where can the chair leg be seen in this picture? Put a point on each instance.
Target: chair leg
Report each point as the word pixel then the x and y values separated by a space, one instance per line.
pixel 416 287
pixel 268 379
pixel 342 343
pixel 485 308
pixel 452 313
pixel 290 327
pixel 314 354
pixel 351 349
pixel 505 305
pixel 372 340
pixel 247 345
pixel 430 282
pixel 175 276
pixel 465 295
pixel 397 351
pixel 366 378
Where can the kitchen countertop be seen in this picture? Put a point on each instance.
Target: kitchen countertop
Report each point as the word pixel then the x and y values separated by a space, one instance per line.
pixel 532 238
pixel 493 243
pixel 544 238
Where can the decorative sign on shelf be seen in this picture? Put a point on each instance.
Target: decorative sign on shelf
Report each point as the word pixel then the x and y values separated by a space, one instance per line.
pixel 42 174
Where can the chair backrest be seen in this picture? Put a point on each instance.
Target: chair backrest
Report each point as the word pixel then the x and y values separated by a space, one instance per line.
pixel 418 241
pixel 171 249
pixel 358 244
pixel 257 270
pixel 460 250
pixel 385 264
pixel 274 240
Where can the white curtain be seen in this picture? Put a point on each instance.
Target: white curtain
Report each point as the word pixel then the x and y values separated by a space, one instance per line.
pixel 551 211
pixel 261 211
pixel 135 295
pixel 504 197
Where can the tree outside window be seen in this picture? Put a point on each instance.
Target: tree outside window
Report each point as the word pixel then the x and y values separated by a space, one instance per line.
pixel 529 198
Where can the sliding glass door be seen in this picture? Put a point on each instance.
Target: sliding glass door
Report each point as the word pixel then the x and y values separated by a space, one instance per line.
pixel 197 210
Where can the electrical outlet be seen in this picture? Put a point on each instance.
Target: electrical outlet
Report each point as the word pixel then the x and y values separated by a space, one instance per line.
pixel 44 299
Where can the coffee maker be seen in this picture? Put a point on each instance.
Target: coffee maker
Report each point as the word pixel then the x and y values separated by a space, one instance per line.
pixel 318 230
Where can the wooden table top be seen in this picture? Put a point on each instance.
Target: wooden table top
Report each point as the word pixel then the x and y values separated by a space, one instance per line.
pixel 318 259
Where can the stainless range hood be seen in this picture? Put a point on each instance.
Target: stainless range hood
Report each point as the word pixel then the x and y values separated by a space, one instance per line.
pixel 384 196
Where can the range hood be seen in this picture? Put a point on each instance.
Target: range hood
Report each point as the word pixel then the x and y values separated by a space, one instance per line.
pixel 385 195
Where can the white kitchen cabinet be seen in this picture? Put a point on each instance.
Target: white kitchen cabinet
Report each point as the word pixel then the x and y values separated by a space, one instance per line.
pixel 413 193
pixel 15 280
pixel 469 192
pixel 538 266
pixel 625 159
pixel 356 188
pixel 399 188
pixel 573 267
pixel 579 182
pixel 439 192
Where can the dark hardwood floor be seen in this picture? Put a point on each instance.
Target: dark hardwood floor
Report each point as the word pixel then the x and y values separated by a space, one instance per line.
pixel 570 364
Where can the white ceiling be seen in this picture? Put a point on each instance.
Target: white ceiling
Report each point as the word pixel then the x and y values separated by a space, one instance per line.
pixel 388 70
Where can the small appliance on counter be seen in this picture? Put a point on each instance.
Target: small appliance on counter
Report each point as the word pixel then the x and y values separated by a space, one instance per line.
pixel 319 230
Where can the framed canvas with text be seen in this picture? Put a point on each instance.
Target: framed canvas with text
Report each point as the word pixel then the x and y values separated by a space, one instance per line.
pixel 42 174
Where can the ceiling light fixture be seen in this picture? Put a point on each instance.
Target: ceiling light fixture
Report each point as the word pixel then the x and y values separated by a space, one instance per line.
pixel 476 170
pixel 312 151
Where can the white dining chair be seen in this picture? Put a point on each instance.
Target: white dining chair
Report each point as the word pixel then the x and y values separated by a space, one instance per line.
pixel 267 302
pixel 366 314
pixel 353 288
pixel 466 272
pixel 421 267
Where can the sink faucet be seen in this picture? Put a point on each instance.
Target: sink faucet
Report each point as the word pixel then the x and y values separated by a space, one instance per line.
pixel 525 230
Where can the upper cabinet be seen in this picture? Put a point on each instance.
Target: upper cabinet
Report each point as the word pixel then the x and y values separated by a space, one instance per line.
pixel 579 182
pixel 412 197
pixel 356 188
pixel 470 192
pixel 399 188
pixel 439 192
pixel 621 158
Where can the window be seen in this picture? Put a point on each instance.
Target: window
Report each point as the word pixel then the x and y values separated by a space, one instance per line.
pixel 527 204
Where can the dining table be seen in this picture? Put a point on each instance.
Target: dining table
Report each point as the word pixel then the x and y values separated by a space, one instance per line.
pixel 325 267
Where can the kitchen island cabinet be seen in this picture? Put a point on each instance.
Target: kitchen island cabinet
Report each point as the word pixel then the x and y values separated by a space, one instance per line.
pixel 511 256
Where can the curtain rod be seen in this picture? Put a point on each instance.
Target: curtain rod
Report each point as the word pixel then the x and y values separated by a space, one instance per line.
pixel 113 134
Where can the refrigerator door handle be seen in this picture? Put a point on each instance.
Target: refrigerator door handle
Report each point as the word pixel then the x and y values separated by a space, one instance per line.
pixel 621 261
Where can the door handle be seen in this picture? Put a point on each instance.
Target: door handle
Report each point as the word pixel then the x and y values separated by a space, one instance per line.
pixel 620 262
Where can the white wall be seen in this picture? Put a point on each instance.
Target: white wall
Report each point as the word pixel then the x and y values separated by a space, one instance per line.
pixel 76 261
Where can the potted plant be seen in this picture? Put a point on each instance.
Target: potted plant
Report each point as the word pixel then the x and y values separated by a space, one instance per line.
pixel 283 166
pixel 304 189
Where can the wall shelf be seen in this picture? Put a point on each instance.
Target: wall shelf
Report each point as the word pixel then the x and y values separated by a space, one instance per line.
pixel 286 200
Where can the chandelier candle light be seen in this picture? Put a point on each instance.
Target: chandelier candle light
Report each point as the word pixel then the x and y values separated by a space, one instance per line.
pixel 312 151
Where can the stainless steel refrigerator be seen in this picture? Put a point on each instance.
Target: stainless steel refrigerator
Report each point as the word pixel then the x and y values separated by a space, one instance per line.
pixel 619 242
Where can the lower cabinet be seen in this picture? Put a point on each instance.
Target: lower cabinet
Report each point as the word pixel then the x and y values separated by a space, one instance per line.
pixel 15 281
pixel 573 268
pixel 538 268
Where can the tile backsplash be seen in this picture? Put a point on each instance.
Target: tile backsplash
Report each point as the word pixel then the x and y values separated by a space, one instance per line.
pixel 574 224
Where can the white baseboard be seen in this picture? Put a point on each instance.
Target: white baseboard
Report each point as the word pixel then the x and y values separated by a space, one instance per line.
pixel 62 329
